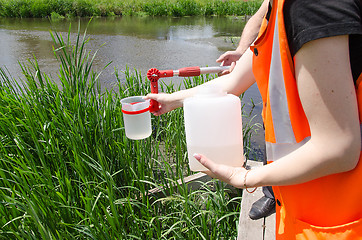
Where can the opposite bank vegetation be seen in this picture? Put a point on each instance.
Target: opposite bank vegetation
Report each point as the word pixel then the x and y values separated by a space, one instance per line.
pixel 86 8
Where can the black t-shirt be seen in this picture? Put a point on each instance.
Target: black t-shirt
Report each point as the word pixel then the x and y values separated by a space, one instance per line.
pixel 307 20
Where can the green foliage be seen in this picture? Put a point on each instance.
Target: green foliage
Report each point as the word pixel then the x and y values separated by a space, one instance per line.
pixel 156 8
pixel 83 8
pixel 55 16
pixel 186 8
pixel 67 170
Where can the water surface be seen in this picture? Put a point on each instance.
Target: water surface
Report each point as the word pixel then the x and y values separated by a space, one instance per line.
pixel 138 43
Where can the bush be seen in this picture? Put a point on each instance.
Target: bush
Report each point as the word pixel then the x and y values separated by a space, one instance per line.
pixel 39 9
pixel 156 8
pixel 186 8
pixel 83 8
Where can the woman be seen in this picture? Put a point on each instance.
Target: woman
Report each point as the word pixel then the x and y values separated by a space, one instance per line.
pixel 307 64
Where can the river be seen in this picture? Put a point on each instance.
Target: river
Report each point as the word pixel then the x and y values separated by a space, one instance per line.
pixel 138 43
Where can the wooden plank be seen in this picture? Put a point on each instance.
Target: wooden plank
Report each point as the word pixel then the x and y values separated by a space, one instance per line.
pixel 261 229
pixel 193 182
pixel 270 227
pixel 247 228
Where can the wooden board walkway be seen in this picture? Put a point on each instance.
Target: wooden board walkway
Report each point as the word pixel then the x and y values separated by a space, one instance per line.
pixel 262 229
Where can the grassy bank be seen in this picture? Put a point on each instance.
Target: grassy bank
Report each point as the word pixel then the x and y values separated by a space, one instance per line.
pixel 82 8
pixel 67 170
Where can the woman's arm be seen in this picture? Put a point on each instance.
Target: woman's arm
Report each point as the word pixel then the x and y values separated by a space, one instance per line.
pixel 328 97
pixel 235 83
pixel 248 36
pixel 327 93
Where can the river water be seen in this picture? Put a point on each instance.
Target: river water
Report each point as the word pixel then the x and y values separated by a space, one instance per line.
pixel 138 43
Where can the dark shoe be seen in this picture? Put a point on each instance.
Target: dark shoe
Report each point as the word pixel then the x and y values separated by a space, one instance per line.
pixel 262 208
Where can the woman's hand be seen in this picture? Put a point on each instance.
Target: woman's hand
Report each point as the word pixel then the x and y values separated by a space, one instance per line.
pixel 230 175
pixel 167 102
pixel 229 58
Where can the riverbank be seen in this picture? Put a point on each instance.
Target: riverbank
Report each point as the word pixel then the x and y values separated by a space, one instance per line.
pixel 82 8
pixel 67 170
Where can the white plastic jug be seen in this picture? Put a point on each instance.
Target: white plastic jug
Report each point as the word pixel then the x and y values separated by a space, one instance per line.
pixel 213 126
pixel 136 117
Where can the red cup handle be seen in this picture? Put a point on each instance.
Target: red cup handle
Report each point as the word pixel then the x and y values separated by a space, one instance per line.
pixel 154 106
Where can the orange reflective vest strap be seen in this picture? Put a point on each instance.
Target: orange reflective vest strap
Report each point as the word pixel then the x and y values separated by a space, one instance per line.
pixel 280 97
pixel 263 26
pixel 359 96
pixel 260 71
pixel 325 208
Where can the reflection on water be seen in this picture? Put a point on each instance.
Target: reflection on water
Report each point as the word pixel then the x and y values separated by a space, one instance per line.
pixel 136 42
pixel 143 27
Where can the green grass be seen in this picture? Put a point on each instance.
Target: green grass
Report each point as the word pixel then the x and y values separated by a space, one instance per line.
pixel 67 170
pixel 83 8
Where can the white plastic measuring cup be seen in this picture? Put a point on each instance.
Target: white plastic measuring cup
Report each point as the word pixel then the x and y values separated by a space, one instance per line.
pixel 136 117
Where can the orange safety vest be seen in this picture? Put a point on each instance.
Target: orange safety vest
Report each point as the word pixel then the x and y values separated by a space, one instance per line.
pixel 326 208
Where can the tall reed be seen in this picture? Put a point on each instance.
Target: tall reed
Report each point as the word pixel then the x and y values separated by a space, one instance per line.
pixel 67 170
